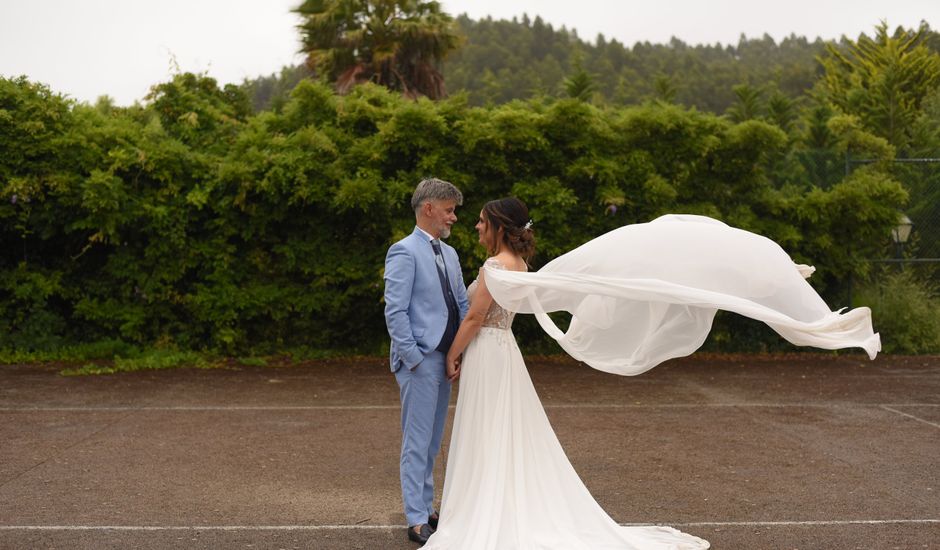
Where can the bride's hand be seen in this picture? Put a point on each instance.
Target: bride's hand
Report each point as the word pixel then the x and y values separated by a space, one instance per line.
pixel 453 368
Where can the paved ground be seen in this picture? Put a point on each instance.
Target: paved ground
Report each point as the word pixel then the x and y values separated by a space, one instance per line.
pixel 787 452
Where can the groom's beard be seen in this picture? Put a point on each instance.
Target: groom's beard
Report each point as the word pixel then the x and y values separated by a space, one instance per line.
pixel 445 231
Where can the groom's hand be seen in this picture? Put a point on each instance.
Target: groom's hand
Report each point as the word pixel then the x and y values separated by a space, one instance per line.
pixel 453 368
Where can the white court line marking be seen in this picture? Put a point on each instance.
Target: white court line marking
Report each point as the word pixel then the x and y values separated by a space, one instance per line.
pixel 820 522
pixel 929 423
pixel 397 407
pixel 389 527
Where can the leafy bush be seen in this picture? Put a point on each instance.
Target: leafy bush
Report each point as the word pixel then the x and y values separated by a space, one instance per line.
pixel 905 311
pixel 190 224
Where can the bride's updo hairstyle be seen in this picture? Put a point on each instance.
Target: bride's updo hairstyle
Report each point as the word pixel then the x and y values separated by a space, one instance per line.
pixel 512 216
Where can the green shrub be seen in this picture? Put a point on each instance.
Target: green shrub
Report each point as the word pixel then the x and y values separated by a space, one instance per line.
pixel 905 310
pixel 189 223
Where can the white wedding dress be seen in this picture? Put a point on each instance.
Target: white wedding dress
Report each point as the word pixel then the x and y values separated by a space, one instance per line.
pixel 638 296
pixel 508 483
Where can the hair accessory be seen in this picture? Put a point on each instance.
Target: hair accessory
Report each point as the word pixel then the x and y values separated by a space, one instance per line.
pixel 528 225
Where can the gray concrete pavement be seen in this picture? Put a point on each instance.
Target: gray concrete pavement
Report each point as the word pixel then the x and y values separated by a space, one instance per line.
pixel 749 452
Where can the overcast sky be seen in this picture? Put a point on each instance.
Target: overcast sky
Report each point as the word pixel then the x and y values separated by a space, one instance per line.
pixel 89 48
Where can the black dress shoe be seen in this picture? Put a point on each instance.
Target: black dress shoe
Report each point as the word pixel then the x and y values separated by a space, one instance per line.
pixel 433 519
pixel 421 537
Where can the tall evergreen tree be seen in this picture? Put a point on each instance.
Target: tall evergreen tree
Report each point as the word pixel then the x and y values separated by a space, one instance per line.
pixel 883 79
pixel 749 104
pixel 580 85
pixel 665 89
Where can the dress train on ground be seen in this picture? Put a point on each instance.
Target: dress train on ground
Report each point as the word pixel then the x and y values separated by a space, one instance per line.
pixel 509 484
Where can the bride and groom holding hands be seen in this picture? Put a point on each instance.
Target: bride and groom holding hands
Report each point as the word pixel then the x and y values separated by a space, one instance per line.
pixel 508 484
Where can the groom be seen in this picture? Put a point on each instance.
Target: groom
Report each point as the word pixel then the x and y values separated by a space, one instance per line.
pixel 425 300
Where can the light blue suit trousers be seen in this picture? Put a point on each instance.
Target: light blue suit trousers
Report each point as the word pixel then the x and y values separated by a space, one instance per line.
pixel 425 396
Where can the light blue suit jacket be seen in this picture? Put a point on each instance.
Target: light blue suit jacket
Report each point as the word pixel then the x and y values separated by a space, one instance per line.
pixel 415 310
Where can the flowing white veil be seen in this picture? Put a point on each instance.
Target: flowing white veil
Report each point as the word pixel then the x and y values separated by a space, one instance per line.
pixel 648 292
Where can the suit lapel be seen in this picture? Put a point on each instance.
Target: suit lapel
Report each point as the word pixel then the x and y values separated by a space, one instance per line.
pixel 424 250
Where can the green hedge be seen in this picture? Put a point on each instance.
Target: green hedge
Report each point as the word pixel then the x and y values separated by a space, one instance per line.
pixel 190 222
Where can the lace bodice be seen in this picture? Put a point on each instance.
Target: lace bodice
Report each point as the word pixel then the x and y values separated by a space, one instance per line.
pixel 496 316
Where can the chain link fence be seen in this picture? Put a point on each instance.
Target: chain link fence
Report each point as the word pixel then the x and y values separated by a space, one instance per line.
pixel 903 286
pixel 913 251
pixel 921 178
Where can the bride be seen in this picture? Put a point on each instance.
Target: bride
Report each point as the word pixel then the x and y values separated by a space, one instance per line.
pixel 638 296
pixel 508 483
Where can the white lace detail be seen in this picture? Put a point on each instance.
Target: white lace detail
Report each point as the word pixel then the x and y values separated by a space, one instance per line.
pixel 496 316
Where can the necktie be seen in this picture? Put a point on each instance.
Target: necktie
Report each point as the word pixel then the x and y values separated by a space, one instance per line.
pixel 452 313
pixel 439 258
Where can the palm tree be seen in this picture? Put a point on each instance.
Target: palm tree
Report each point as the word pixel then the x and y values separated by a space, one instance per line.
pixel 396 43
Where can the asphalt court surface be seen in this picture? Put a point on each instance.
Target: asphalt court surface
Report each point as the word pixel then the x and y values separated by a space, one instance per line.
pixel 799 451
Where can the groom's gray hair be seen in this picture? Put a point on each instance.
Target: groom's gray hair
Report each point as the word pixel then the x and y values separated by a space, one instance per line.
pixel 433 189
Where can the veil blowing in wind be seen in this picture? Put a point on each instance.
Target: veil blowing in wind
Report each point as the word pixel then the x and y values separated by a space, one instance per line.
pixel 648 292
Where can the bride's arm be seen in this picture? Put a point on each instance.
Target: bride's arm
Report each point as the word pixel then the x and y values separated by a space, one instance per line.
pixel 469 327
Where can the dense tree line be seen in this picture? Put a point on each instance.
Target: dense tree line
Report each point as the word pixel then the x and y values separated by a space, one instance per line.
pixel 501 60
pixel 506 60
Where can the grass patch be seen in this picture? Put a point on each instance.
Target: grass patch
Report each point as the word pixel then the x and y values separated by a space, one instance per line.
pixel 252 361
pixel 115 356
pixel 103 349
pixel 152 360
